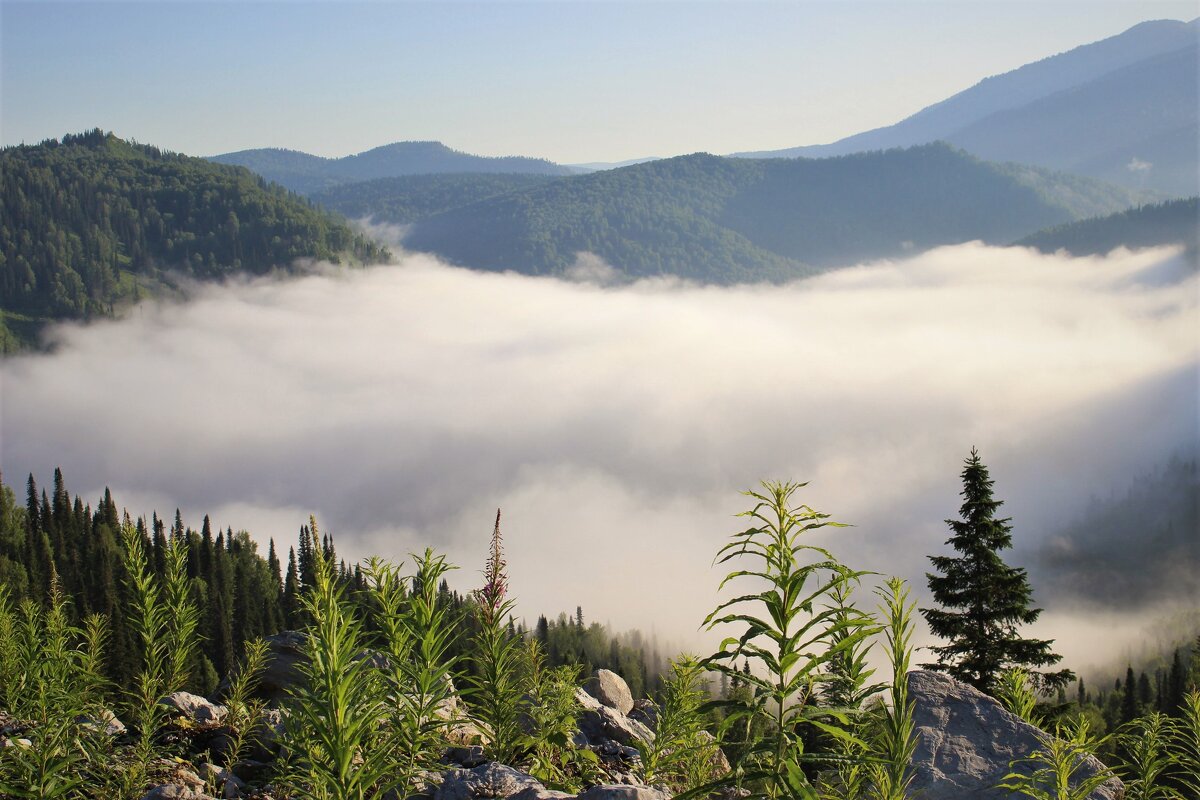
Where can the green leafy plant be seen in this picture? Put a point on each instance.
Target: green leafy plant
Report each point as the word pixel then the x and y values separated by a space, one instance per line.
pixel 333 714
pixel 1014 691
pixel 52 681
pixel 1145 744
pixel 550 718
pixel 165 621
pixel 1059 769
pixel 787 635
pixel 1185 745
pixel 683 755
pixel 417 633
pixel 245 710
pixel 894 740
pixel 847 689
pixel 494 690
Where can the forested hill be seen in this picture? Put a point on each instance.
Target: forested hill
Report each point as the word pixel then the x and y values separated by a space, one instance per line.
pixel 1172 222
pixel 410 198
pixel 306 173
pixel 85 220
pixel 724 220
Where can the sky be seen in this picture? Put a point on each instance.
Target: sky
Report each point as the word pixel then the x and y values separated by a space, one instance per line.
pixel 616 425
pixel 569 81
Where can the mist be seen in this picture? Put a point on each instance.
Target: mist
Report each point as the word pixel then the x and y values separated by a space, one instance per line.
pixel 616 425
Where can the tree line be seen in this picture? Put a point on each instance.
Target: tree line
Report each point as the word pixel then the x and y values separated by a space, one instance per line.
pixel 56 539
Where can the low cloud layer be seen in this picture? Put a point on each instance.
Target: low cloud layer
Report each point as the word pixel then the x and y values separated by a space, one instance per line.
pixel 615 426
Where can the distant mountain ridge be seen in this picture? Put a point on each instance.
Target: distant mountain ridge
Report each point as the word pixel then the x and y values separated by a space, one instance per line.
pixel 306 174
pixel 1135 92
pixel 726 220
pixel 1172 222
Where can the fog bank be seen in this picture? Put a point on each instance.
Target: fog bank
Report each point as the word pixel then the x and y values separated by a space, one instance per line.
pixel 615 426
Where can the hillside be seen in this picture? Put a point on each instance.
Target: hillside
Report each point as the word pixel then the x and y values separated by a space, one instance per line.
pixel 307 174
pixel 92 221
pixel 1172 222
pixel 409 198
pixel 1101 105
pixel 723 220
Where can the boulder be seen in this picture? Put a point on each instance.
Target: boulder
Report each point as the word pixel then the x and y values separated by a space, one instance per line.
pixel 611 690
pixel 645 712
pixel 599 722
pixel 966 741
pixel 490 780
pixel 175 791
pixel 104 720
pixel 623 792
pixel 230 785
pixel 195 708
pixel 285 653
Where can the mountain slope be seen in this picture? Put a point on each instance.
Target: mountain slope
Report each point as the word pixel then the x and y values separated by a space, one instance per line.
pixel 1131 117
pixel 1172 222
pixel 306 173
pixel 92 220
pixel 725 220
pixel 1015 99
pixel 410 198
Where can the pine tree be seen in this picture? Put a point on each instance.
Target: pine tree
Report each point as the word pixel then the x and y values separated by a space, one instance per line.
pixel 983 599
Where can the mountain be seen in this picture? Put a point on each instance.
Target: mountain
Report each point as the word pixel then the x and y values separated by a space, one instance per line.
pixel 1172 222
pixel 727 220
pixel 1102 109
pixel 410 198
pixel 92 221
pixel 306 173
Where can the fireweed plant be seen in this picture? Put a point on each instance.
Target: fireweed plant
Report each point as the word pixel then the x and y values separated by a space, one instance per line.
pixel 791 631
pixel 682 754
pixel 494 689
pixel 1061 769
pixel 894 741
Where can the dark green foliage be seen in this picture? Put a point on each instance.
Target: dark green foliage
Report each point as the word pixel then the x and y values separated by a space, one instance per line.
pixel 1172 222
pixel 411 198
pixel 93 221
pixel 983 599
pixel 722 220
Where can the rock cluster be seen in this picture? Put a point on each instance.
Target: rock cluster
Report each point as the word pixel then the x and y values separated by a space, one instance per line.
pixel 966 741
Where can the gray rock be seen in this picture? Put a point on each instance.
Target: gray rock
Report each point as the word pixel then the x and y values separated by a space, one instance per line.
pixel 285 654
pixel 104 720
pixel 540 794
pixel 610 689
pixel 229 784
pixel 195 708
pixel 466 756
pixel 645 712
pixel 606 724
pixel 623 792
pixel 490 780
pixel 966 741
pixel 174 791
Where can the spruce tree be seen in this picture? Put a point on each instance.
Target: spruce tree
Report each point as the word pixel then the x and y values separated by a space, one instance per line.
pixel 983 599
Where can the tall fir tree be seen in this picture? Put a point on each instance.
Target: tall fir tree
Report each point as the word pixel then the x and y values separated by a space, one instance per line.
pixel 983 599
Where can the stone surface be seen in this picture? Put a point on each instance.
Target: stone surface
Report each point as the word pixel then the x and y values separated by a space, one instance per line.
pixel 490 780
pixel 285 653
pixel 103 720
pixel 174 791
pixel 966 741
pixel 645 712
pixel 611 690
pixel 605 723
pixel 623 792
pixel 195 708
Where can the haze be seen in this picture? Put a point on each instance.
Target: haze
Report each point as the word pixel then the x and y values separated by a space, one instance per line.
pixel 403 404
pixel 568 81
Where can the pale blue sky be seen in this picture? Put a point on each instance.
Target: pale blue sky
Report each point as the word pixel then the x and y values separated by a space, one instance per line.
pixel 569 81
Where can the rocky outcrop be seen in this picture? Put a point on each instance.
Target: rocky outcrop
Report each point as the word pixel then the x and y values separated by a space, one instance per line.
pixel 194 708
pixel 611 690
pixel 966 741
pixel 490 780
pixel 599 722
